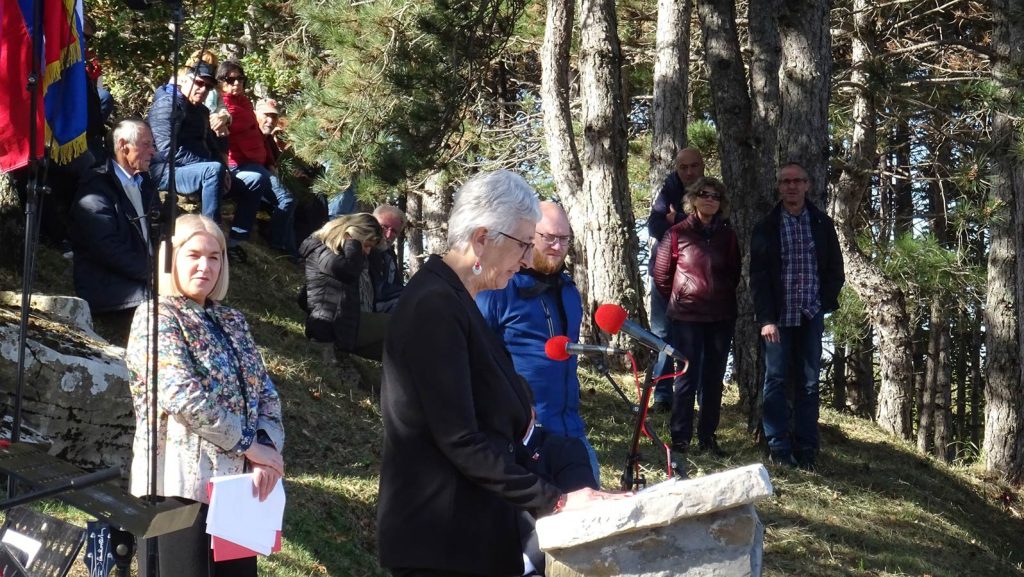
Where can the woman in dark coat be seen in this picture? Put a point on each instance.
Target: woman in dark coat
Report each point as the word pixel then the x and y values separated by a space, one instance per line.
pixel 335 257
pixel 452 491
pixel 697 269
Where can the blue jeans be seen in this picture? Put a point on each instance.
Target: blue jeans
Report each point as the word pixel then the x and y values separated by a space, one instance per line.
pixel 706 345
pixel 793 361
pixel 662 328
pixel 207 178
pixel 342 204
pixel 282 219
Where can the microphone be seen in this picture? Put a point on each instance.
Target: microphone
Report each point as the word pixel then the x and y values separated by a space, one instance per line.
pixel 559 349
pixel 612 319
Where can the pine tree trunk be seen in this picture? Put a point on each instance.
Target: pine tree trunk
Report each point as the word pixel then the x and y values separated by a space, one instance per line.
pixel 943 389
pixel 436 205
pixel 839 378
pixel 883 299
pixel 1004 414
pixel 739 172
pixel 804 88
pixel 926 408
pixel 862 392
pixel 556 91
pixel 671 86
pixel 765 61
pixel 608 240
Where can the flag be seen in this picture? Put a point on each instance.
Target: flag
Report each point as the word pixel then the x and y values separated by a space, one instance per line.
pixel 62 113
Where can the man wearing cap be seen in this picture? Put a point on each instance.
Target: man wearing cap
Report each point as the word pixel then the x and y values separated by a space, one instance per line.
pixel 197 165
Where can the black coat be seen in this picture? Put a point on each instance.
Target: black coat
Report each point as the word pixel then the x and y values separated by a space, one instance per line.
pixel 111 259
pixel 196 142
pixel 451 490
pixel 332 291
pixel 766 264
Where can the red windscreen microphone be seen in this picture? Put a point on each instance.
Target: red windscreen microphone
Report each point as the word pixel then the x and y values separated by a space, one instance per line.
pixel 560 349
pixel 613 318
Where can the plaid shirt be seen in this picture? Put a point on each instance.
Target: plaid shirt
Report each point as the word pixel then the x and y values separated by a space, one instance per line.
pixel 800 283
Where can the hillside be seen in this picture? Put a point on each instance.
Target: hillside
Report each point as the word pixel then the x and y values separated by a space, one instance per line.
pixel 874 508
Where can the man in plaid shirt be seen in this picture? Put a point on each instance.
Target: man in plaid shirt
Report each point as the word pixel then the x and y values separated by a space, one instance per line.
pixel 796 272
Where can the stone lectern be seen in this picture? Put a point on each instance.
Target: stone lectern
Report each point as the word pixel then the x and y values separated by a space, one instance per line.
pixel 697 527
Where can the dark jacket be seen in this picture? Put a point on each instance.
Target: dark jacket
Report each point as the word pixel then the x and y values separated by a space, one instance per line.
pixel 698 274
pixel 386 276
pixel 451 490
pixel 766 264
pixel 111 259
pixel 196 142
pixel 332 291
pixel 670 195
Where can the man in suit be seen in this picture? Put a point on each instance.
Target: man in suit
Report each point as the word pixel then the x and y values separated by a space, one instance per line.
pixel 796 273
pixel 110 232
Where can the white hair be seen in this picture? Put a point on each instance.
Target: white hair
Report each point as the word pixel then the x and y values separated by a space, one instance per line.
pixel 128 130
pixel 392 210
pixel 496 201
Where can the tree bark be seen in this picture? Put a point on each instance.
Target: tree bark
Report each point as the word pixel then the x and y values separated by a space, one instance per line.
pixel 804 88
pixel 1003 446
pixel 608 241
pixel 765 61
pixel 943 386
pixel 839 378
pixel 862 393
pixel 883 299
pixel 926 407
pixel 555 99
pixel 671 75
pixel 733 117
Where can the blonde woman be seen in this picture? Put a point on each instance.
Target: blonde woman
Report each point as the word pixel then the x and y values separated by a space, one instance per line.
pixel 218 412
pixel 335 258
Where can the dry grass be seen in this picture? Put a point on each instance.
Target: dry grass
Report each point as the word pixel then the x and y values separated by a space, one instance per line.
pixel 874 508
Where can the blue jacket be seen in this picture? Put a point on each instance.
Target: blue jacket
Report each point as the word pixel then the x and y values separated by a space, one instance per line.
pixel 196 142
pixel 525 321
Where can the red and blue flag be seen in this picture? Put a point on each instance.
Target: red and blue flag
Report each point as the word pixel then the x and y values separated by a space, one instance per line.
pixel 62 113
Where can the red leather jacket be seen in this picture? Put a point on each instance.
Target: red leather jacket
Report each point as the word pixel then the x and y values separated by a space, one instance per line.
pixel 697 268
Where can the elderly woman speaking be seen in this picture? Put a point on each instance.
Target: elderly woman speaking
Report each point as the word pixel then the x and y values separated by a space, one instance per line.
pixel 454 409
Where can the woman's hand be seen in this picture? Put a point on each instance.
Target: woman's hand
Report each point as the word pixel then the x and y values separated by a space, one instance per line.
pixel 267 456
pixel 583 498
pixel 263 480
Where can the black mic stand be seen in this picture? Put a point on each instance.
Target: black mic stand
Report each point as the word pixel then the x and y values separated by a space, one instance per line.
pixel 632 479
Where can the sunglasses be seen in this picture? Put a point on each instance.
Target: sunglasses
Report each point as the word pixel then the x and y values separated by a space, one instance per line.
pixel 200 83
pixel 232 79
pixel 709 195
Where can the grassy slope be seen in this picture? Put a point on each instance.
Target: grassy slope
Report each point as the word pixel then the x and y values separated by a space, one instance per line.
pixel 875 508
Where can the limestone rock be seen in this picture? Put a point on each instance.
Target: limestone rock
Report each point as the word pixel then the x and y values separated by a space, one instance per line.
pixel 697 527
pixel 76 384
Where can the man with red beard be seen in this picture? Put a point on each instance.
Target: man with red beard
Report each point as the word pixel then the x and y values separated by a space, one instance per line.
pixel 539 303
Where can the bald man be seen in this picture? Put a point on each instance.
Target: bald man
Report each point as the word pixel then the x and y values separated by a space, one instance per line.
pixel 666 210
pixel 539 303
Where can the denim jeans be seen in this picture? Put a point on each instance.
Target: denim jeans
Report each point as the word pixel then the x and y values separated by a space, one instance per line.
pixel 207 178
pixel 662 328
pixel 793 361
pixel 706 345
pixel 273 192
pixel 342 204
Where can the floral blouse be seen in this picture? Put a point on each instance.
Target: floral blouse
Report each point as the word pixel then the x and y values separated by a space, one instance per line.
pixel 214 397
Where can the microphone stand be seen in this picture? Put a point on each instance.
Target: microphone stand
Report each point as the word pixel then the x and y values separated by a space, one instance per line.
pixel 37 187
pixel 632 479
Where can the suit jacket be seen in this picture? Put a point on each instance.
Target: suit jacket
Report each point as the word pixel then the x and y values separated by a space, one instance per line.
pixel 766 264
pixel 111 258
pixel 451 490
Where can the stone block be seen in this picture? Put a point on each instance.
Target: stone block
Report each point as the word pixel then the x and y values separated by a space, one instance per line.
pixel 696 528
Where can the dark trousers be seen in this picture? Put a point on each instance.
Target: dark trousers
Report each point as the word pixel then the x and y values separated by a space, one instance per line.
pixel 793 361
pixel 706 345
pixel 661 326
pixel 431 573
pixel 187 553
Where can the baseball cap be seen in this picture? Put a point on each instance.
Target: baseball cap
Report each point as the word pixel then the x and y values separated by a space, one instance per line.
pixel 267 106
pixel 202 70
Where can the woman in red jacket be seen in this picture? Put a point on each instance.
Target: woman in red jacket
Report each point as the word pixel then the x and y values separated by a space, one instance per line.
pixel 251 161
pixel 696 269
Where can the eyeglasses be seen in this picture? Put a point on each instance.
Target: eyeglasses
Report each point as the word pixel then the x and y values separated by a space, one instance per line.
pixel 709 195
pixel 553 239
pixel 789 181
pixel 232 79
pixel 526 246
